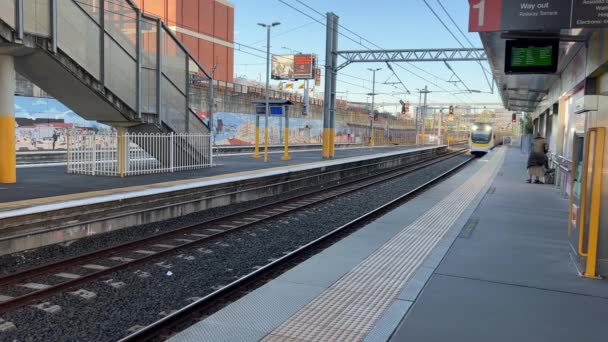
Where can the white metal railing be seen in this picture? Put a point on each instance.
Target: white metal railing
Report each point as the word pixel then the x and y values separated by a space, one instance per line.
pixel 131 154
pixel 562 167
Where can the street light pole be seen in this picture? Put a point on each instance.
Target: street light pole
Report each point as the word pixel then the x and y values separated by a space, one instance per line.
pixel 268 27
pixel 424 113
pixel 371 114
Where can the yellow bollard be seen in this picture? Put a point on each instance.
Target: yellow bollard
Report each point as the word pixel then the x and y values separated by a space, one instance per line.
pixel 325 143
pixel 256 151
pixel 121 152
pixel 265 144
pixel 286 150
pixel 8 154
pixel 372 142
pixel 332 142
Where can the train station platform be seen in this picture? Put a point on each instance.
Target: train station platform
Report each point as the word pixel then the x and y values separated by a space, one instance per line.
pixel 482 256
pixel 48 206
pixel 47 182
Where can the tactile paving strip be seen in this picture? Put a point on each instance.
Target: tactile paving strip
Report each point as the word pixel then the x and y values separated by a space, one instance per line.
pixel 349 309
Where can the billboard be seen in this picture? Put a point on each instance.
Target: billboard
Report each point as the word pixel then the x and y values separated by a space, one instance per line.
pixel 293 67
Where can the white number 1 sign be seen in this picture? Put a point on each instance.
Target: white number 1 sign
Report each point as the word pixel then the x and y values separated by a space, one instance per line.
pixel 481 7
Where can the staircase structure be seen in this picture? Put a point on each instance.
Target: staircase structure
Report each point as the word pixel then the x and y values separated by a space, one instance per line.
pixel 107 61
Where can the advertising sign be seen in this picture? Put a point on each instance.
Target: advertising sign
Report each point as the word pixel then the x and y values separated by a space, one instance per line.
pixel 589 13
pixel 521 15
pixel 282 67
pixel 293 67
pixel 303 67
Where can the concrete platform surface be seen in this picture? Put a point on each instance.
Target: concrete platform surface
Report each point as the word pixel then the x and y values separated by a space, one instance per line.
pixel 361 287
pixel 44 182
pixel 509 277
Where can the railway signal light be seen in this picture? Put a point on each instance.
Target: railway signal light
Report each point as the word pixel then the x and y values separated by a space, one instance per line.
pixel 513 118
pixel 451 110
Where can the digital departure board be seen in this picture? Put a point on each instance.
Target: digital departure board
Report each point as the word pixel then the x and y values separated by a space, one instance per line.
pixel 526 56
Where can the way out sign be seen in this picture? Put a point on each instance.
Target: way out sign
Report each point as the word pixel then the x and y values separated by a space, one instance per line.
pixel 517 15
pixel 514 15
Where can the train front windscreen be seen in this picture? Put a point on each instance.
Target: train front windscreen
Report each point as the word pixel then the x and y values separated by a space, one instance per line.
pixel 481 133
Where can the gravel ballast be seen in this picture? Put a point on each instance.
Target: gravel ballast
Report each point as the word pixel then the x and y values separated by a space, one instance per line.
pixel 158 288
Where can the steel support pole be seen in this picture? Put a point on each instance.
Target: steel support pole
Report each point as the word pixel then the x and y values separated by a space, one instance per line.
pixel 8 155
pixel 267 93
pixel 334 78
pixel 53 8
pixel 211 100
pixel 426 90
pixel 440 124
pixel 418 112
pixel 19 20
pixel 286 133
pixel 372 141
pixel 159 69
pixel 328 76
pixel 187 61
pixel 138 67
pixel 256 149
pixel 306 99
pixel 102 45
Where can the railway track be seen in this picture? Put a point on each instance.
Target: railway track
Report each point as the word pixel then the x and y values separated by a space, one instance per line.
pixel 167 326
pixel 73 272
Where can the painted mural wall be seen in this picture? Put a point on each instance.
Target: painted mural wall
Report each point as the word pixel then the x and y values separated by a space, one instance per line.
pixel 239 129
pixel 42 124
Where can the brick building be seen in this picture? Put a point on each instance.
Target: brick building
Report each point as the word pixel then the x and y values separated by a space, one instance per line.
pixel 206 27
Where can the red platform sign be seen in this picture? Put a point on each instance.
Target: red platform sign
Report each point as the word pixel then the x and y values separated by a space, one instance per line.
pixel 485 15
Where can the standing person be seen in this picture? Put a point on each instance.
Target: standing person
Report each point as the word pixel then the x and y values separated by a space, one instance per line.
pixel 55 137
pixel 537 159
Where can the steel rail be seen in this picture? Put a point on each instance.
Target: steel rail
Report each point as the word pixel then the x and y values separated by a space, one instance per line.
pixel 163 327
pixel 180 203
pixel 327 194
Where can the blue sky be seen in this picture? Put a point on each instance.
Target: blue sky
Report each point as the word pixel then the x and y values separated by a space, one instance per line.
pixel 406 24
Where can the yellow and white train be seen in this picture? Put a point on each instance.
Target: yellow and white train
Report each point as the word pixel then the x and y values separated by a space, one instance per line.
pixel 481 139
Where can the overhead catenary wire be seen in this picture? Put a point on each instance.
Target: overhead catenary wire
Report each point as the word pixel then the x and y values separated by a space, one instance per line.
pixel 371 43
pixel 452 33
pixel 485 71
pixel 361 38
pixel 284 32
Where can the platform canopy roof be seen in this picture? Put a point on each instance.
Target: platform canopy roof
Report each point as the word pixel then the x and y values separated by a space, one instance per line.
pixel 526 92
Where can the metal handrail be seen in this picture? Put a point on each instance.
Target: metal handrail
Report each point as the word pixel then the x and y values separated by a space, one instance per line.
pixel 138 18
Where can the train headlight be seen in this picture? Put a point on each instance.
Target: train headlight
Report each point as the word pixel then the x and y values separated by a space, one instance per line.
pixel 474 127
pixel 487 128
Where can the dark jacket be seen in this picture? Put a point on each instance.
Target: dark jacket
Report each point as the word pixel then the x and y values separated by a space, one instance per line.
pixel 538 153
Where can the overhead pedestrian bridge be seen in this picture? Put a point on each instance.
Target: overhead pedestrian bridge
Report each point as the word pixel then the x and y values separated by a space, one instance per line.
pixel 107 61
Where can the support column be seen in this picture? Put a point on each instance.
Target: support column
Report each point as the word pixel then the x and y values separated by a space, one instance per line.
pixel 286 133
pixel 256 150
pixel 328 82
pixel 8 156
pixel 334 77
pixel 121 151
